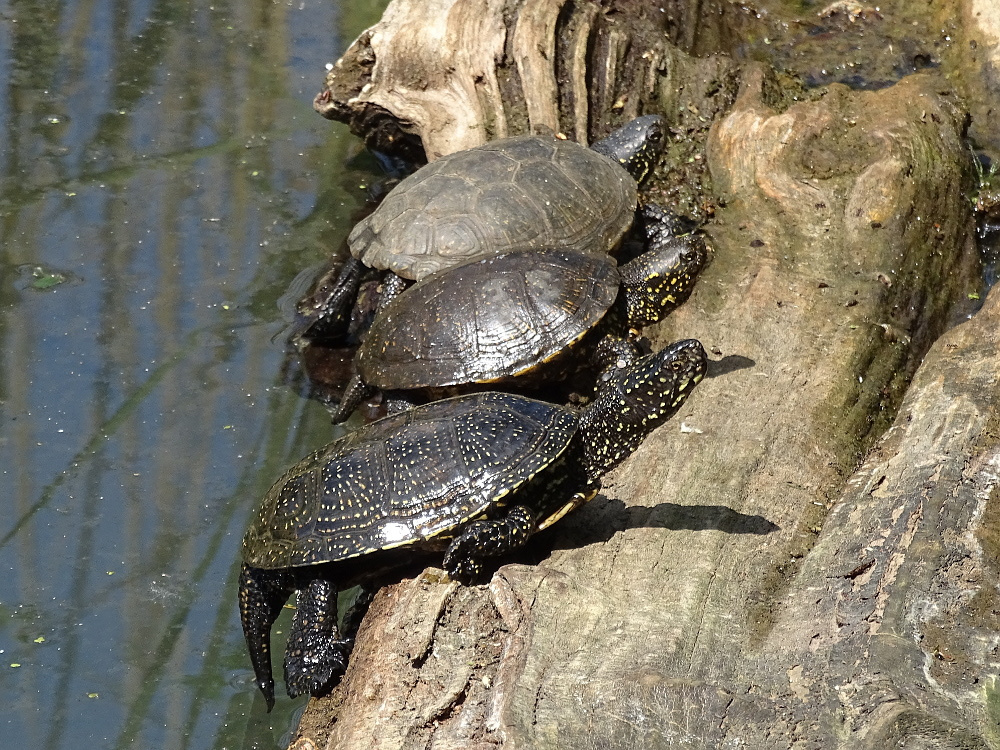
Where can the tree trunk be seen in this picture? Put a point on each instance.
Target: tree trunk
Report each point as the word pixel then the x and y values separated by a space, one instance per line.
pixel 740 581
pixel 438 76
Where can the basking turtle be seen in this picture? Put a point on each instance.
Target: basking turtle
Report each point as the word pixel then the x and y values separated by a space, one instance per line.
pixel 510 194
pixel 473 475
pixel 515 320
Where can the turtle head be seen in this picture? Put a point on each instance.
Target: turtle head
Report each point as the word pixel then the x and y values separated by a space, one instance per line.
pixel 634 400
pixel 636 145
pixel 662 278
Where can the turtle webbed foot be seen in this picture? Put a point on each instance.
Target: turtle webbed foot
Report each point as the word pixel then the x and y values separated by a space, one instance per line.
pixel 313 672
pixel 485 539
pixel 660 225
pixel 325 314
pixel 466 570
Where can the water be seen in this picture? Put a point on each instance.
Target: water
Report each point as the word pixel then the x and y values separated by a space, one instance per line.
pixel 164 178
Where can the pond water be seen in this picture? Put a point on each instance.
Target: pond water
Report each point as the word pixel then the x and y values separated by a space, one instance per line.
pixel 164 179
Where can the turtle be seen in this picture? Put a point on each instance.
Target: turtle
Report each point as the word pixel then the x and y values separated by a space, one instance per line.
pixel 524 192
pixel 516 319
pixel 472 476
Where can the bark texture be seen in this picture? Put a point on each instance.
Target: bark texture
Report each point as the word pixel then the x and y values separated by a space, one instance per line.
pixel 748 579
pixel 975 59
pixel 438 76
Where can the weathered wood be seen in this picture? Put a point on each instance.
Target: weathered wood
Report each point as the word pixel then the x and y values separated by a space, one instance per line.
pixel 972 62
pixel 706 599
pixel 888 636
pixel 452 74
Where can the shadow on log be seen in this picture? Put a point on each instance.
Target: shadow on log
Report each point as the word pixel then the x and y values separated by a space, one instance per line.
pixel 741 582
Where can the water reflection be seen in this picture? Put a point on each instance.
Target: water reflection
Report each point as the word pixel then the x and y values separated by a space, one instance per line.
pixel 163 180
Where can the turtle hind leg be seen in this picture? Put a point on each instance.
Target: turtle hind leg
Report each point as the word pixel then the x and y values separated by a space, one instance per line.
pixel 325 315
pixel 355 392
pixel 315 652
pixel 481 540
pixel 262 595
pixel 392 287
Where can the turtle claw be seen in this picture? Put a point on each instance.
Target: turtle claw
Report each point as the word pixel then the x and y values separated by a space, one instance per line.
pixel 312 674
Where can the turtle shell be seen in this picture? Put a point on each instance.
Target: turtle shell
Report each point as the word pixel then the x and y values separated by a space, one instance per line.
pixel 407 478
pixel 515 193
pixel 489 319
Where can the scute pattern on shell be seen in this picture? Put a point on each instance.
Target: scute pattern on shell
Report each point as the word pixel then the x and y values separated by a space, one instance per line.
pixel 516 193
pixel 405 478
pixel 488 319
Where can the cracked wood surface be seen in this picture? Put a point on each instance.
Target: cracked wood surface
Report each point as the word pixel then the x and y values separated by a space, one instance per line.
pixel 438 76
pixel 745 580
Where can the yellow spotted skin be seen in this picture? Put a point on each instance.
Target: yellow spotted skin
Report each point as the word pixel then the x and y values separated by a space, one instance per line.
pixel 662 278
pixel 635 400
pixel 636 145
pixel 477 474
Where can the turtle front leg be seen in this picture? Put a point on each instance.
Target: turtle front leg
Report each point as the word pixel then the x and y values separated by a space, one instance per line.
pixel 315 651
pixel 392 287
pixel 659 224
pixel 482 540
pixel 262 595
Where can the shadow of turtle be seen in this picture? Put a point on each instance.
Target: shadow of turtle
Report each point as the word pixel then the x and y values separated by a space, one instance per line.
pixel 603 517
pixel 729 363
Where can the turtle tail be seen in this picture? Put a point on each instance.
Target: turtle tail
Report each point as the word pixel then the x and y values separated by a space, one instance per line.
pixel 262 595
pixel 355 392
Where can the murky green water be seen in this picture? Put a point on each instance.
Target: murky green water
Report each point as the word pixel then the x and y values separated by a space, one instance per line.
pixel 164 178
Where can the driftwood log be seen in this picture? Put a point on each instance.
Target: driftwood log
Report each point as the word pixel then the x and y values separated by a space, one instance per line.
pixel 807 556
pixel 438 76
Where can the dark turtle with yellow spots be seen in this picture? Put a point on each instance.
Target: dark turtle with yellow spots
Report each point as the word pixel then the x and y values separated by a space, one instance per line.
pixel 473 476
pixel 516 320
pixel 520 193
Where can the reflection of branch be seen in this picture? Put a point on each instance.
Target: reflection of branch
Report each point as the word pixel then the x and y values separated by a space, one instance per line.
pixel 122 173
pixel 163 651
pixel 100 435
pixel 268 450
